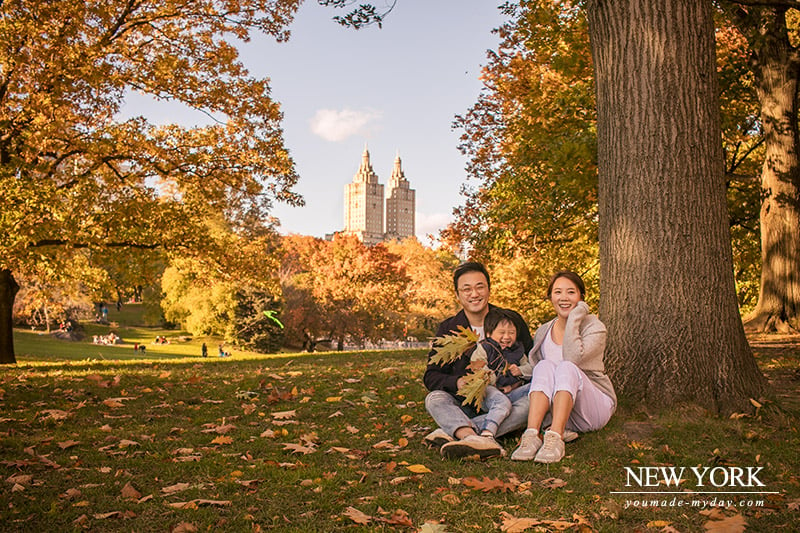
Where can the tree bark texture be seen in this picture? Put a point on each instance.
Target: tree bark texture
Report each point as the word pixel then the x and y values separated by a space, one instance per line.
pixel 777 69
pixel 8 292
pixel 666 270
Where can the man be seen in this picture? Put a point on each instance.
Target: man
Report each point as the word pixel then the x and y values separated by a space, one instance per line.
pixel 457 433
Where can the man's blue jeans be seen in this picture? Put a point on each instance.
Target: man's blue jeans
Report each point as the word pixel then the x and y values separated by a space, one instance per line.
pixel 450 415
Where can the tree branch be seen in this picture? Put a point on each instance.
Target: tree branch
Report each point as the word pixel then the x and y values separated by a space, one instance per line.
pixel 788 4
pixel 64 242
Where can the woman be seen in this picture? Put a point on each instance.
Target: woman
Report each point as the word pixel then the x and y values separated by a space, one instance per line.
pixel 568 382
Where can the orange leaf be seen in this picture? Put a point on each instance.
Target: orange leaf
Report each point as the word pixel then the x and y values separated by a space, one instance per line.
pixel 130 493
pixel 222 439
pixel 487 485
pixel 399 518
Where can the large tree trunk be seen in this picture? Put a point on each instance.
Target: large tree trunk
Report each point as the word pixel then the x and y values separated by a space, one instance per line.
pixel 776 69
pixel 8 292
pixel 666 270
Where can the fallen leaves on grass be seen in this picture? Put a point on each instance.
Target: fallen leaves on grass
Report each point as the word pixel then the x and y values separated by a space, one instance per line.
pixel 115 514
pixel 52 414
pixel 129 492
pixel 398 517
pixel 513 524
pixel 177 487
pixel 194 504
pixel 298 448
pixel 730 524
pixel 488 485
pixel 433 527
pixel 184 527
pixel 553 483
pixel 357 516
pixel 219 429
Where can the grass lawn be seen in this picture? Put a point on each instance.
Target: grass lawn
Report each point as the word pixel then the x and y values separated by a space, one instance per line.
pixel 333 441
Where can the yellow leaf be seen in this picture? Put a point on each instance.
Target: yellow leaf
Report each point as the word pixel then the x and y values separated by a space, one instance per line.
pixel 448 348
pixel 222 439
pixel 333 399
pixel 418 469
pixel 755 404
pixel 474 389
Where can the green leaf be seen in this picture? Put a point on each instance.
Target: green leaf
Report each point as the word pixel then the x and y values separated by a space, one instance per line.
pixel 448 348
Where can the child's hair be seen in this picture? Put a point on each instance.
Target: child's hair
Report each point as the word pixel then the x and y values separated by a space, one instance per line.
pixel 494 317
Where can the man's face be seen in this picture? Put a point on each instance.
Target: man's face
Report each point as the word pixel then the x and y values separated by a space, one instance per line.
pixel 473 292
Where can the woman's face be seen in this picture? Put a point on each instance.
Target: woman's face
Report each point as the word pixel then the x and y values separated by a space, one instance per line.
pixel 564 296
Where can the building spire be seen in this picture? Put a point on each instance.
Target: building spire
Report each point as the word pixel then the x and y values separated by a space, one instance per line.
pixel 398 177
pixel 365 173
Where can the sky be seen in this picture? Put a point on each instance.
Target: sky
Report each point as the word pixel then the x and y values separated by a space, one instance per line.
pixel 395 90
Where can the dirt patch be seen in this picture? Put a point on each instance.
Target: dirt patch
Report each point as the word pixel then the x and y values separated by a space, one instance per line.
pixel 638 431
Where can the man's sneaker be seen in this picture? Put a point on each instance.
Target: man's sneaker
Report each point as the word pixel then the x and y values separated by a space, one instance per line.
pixel 437 438
pixel 472 445
pixel 529 444
pixel 552 450
pixel 570 436
pixel 488 435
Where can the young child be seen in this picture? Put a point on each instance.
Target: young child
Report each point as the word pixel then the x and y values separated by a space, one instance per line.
pixel 509 366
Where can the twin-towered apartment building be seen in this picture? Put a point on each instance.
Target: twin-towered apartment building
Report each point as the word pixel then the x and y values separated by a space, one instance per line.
pixel 364 205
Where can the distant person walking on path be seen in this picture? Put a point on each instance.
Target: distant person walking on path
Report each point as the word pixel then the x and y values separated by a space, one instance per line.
pixel 204 350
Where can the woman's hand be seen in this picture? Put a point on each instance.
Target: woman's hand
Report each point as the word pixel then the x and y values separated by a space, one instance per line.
pixel 579 312
pixel 514 370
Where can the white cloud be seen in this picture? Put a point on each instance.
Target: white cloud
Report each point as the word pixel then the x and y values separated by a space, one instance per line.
pixel 431 224
pixel 337 125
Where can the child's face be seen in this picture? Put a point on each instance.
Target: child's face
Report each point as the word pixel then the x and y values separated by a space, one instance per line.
pixel 505 334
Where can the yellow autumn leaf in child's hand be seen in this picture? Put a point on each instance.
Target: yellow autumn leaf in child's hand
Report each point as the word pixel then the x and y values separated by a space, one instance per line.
pixel 474 389
pixel 448 348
